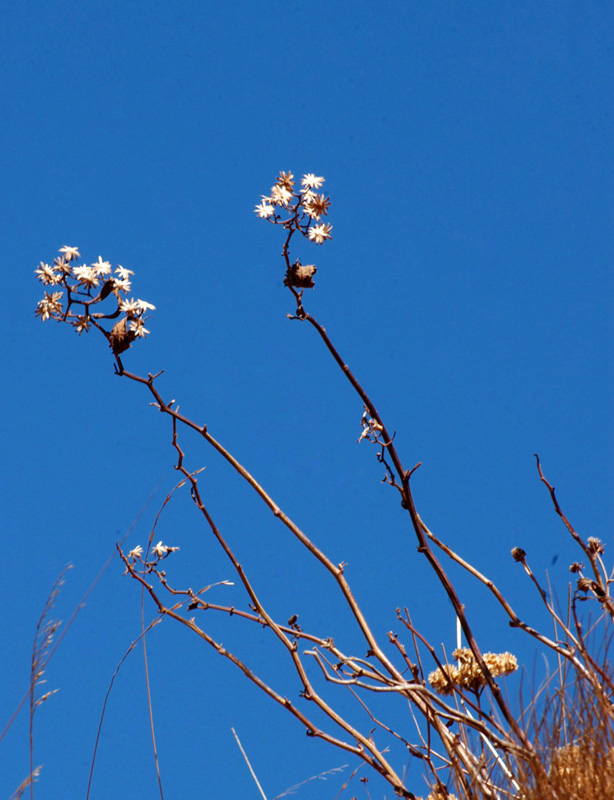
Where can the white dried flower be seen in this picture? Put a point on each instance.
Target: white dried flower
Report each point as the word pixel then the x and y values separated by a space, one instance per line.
pixel 122 284
pixel 317 205
pixel 50 304
pixel 70 253
pixel 280 196
pixel 162 550
pixel 82 324
pixel 129 307
pixel 285 180
pixel 137 326
pixel 264 209
pixel 319 233
pixel 46 274
pixel 86 276
pixel 124 274
pixel 310 181
pixel 61 263
pixel 101 267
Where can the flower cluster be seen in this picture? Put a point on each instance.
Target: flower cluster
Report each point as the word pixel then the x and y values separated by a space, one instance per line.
pixel 86 286
pixel 160 550
pixel 298 209
pixel 468 674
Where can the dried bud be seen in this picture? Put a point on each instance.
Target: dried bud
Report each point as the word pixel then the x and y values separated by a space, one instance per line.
pixel 300 275
pixel 107 288
pixel 576 567
pixel 518 554
pixel 121 337
pixel 595 545
pixel 585 585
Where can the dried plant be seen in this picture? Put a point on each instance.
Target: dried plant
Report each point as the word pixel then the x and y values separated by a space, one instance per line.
pixel 468 740
pixel 43 648
pixel 573 734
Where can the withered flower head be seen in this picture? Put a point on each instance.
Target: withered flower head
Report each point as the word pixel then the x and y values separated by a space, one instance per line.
pixel 265 209
pixel 120 337
pixel 280 195
pixel 70 253
pixel 47 274
pixel 81 324
pixel 468 674
pixel 285 180
pixel 595 545
pixel 49 306
pixel 319 233
pixel 317 205
pixel 300 275
pixel 443 679
pixel 311 181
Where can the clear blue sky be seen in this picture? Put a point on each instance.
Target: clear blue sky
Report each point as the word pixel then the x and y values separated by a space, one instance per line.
pixel 468 152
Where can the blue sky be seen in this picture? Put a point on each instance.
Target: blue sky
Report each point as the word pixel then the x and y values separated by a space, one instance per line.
pixel 467 149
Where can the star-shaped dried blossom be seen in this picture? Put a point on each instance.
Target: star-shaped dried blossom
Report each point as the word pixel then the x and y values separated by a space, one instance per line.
pixel 86 276
pixel 136 552
pixel 82 324
pixel 264 209
pixel 70 253
pixel 61 263
pixel 285 180
pixel 49 305
pixel 46 274
pixel 162 550
pixel 319 233
pixel 280 195
pixel 129 307
pixel 311 181
pixel 124 274
pixel 121 285
pixel 317 205
pixel 101 267
pixel 137 326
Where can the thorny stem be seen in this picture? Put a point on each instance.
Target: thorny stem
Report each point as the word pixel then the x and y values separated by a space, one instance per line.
pixel 407 503
pixel 463 754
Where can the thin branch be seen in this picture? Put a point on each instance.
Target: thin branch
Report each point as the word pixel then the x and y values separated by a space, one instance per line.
pixel 256 781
